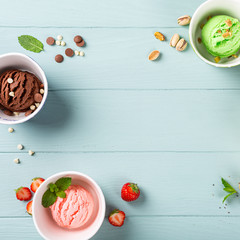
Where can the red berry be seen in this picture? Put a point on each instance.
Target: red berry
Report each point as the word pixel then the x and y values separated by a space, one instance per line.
pixel 36 182
pixel 23 194
pixel 29 208
pixel 130 192
pixel 116 218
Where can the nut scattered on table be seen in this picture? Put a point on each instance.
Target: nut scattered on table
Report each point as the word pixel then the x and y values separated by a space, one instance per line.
pixel 181 45
pixel 82 53
pixel 59 37
pixel 159 36
pixel 153 55
pixel 174 40
pixel 30 152
pixel 16 160
pixel 20 146
pixel 77 53
pixel 10 130
pixel 58 42
pixel 184 20
pixel 63 43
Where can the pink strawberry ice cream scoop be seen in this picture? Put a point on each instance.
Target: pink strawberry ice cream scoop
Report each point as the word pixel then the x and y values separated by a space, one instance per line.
pixel 74 210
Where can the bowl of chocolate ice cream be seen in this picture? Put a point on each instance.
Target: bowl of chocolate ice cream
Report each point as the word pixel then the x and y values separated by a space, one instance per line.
pixel 23 88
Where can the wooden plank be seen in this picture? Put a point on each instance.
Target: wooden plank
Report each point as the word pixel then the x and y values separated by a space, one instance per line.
pixel 131 121
pixel 118 59
pixel 92 13
pixel 196 228
pixel 171 183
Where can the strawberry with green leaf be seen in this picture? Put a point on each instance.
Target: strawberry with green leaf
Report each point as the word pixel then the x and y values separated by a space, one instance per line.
pixel 130 192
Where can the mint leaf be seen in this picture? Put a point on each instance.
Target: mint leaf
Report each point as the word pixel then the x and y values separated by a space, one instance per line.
pixel 227 196
pixel 30 43
pixel 63 183
pixel 53 187
pixel 61 194
pixel 48 198
pixel 228 188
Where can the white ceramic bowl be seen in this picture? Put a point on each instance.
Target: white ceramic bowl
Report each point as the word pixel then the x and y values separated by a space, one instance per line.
pixel 49 229
pixel 22 62
pixel 212 8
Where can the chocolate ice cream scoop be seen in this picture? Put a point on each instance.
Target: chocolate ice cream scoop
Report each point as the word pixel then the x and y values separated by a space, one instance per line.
pixel 17 90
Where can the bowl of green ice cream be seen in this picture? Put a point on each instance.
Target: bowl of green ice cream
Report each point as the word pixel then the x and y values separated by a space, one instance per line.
pixel 215 32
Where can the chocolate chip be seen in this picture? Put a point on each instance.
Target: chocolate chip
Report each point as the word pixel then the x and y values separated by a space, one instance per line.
pixel 50 41
pixel 28 112
pixel 59 58
pixel 38 97
pixel 77 39
pixel 7 112
pixel 69 52
pixel 81 44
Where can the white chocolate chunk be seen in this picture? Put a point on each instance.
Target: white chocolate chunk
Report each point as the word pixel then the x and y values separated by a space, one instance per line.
pixel 11 94
pixel 10 80
pixel 37 104
pixel 42 91
pixel 82 53
pixel 58 42
pixel 59 37
pixel 32 107
pixel 63 43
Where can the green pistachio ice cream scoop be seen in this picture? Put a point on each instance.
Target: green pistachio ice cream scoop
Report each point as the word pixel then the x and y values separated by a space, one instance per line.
pixel 221 36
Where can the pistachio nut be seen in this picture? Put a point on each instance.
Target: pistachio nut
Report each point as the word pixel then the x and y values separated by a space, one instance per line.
pixel 181 45
pixel 174 40
pixel 184 20
pixel 153 55
pixel 159 36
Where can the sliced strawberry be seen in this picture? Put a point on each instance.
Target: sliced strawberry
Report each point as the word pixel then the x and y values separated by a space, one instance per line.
pixel 130 192
pixel 36 182
pixel 23 194
pixel 29 208
pixel 117 218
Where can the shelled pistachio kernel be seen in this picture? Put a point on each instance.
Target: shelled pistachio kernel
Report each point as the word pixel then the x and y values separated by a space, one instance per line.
pixel 16 160
pixel 174 40
pixel 32 107
pixel 10 130
pixel 58 42
pixel 217 59
pixel 63 43
pixel 10 80
pixel 20 146
pixel 159 36
pixel 30 152
pixel 59 37
pixel 82 53
pixel 153 55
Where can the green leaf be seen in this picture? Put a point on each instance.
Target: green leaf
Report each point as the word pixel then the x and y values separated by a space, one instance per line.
pixel 228 196
pixel 53 187
pixel 63 183
pixel 48 198
pixel 61 194
pixel 30 43
pixel 228 187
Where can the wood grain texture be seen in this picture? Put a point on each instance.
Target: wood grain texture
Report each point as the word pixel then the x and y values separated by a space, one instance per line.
pixel 171 183
pixel 132 121
pixel 118 59
pixel 153 228
pixel 93 13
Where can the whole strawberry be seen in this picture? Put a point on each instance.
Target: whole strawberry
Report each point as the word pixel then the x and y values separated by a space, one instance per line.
pixel 130 192
pixel 23 194
pixel 36 182
pixel 116 218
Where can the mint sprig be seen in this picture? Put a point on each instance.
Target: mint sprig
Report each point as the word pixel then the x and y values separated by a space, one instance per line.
pixel 56 190
pixel 30 43
pixel 228 188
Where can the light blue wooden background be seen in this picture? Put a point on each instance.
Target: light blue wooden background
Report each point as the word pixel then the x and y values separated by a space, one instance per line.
pixel 172 126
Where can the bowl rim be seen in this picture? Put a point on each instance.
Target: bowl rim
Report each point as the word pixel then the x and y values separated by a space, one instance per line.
pixel 43 80
pixel 69 173
pixel 193 20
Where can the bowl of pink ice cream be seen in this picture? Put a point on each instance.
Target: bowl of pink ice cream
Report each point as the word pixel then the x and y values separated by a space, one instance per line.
pixel 78 215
